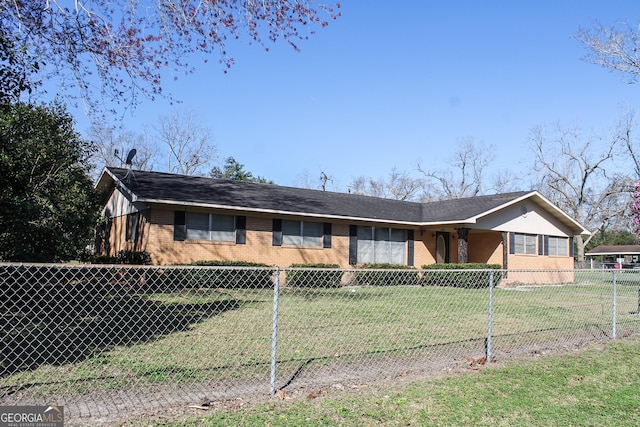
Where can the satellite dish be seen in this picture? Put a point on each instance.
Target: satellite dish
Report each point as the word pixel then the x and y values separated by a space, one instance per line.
pixel 128 162
pixel 130 156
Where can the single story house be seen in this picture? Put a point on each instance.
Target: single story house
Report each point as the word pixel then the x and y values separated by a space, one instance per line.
pixel 616 256
pixel 180 219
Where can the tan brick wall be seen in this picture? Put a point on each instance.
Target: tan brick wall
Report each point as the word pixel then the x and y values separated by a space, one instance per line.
pixel 485 247
pixel 553 269
pixel 482 247
pixel 157 239
pixel 258 247
pixel 535 262
pixel 424 249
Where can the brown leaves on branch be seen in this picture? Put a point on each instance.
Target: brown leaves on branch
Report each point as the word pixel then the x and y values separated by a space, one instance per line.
pixel 117 50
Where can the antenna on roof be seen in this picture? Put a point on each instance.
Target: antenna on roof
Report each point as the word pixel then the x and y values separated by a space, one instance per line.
pixel 128 161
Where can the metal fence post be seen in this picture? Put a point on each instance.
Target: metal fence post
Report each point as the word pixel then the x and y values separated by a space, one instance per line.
pixel 274 331
pixel 490 320
pixel 615 308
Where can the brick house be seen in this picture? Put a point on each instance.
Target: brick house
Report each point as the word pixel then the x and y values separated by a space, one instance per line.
pixel 181 219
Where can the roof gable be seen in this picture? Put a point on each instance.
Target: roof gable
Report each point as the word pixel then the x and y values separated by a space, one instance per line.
pixel 468 208
pixel 173 189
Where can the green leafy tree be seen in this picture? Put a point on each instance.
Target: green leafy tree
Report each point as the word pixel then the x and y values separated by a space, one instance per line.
pixel 48 206
pixel 234 171
pixel 17 69
pixel 613 238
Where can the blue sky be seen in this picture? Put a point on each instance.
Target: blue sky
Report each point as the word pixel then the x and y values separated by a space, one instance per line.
pixel 393 83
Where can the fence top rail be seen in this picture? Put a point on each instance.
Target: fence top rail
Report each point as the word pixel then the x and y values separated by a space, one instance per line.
pixel 80 266
pixel 130 266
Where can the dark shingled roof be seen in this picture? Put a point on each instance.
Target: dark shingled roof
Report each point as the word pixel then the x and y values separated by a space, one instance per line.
pixel 180 189
pixel 468 207
pixel 615 250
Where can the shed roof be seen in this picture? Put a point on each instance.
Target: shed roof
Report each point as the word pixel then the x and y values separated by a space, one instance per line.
pixel 614 250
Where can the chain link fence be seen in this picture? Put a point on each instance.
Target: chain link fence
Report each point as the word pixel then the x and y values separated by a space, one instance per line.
pixel 108 340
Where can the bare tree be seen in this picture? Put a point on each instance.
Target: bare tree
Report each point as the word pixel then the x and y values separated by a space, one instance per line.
pixel 398 186
pixel 367 186
pixel 109 141
pixel 578 174
pixel 504 181
pixel 465 179
pixel 618 49
pixel 614 47
pixel 319 180
pixel 304 180
pixel 401 186
pixel 188 142
pixel 626 126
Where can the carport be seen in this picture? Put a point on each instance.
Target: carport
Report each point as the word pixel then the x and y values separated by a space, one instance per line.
pixel 615 256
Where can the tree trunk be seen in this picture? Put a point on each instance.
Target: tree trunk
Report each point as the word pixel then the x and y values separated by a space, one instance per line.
pixel 579 255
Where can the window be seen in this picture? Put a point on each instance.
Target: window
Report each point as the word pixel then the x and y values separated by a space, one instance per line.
pixel 302 233
pixel 524 244
pixel 205 226
pixel 131 232
pixel 558 246
pixel 378 245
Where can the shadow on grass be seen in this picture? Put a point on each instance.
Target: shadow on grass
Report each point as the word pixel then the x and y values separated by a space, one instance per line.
pixel 343 293
pixel 64 324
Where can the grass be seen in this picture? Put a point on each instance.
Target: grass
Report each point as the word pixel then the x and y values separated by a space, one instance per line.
pixel 597 387
pixel 133 341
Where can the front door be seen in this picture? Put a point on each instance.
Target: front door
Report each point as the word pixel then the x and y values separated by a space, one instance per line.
pixel 442 247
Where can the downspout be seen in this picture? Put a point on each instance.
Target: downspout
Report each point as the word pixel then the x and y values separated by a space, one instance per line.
pixel 505 252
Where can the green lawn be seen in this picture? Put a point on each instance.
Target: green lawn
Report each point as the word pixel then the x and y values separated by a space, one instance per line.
pixel 140 341
pixel 596 387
